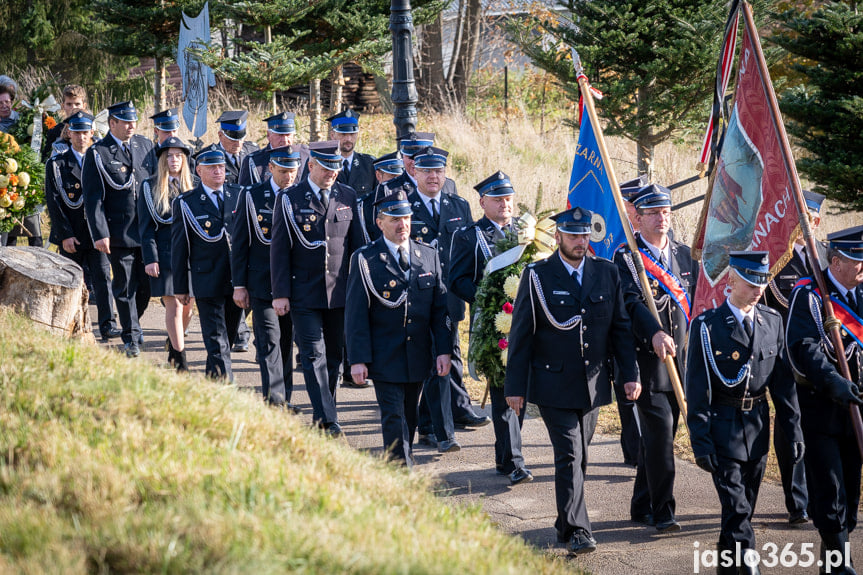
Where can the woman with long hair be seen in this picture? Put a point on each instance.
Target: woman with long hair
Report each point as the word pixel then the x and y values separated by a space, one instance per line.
pixel 154 222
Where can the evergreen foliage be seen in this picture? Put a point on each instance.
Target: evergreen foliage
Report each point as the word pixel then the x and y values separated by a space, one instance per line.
pixel 825 113
pixel 654 61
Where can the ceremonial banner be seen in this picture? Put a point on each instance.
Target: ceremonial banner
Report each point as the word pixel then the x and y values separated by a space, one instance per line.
pixel 589 188
pixel 750 205
pixel 197 77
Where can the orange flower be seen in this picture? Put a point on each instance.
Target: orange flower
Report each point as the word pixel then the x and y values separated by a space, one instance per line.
pixel 13 180
pixel 13 196
pixel 3 191
pixel 50 122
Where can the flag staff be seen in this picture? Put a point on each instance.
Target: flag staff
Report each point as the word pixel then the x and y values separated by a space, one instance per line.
pixel 831 324
pixel 627 229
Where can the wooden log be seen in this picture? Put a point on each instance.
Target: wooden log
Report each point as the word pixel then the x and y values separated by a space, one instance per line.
pixel 46 287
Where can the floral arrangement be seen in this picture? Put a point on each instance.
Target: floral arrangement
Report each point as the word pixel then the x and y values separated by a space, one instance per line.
pixel 495 296
pixel 24 128
pixel 21 178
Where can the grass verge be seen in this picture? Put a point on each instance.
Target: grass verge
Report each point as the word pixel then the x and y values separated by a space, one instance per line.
pixel 110 465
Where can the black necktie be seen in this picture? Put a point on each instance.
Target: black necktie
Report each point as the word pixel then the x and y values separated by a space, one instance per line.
pixel 218 195
pixel 435 214
pixel 577 290
pixel 403 259
pixel 662 261
pixel 347 167
pixel 747 326
pixel 325 198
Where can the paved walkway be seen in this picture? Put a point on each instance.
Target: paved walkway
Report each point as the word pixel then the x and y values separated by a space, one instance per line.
pixel 528 510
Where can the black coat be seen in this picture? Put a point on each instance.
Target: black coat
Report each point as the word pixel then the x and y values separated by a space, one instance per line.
pixel 362 174
pixel 815 369
pixel 454 215
pixel 569 369
pixel 64 197
pixel 232 173
pixel 195 249
pixel 111 212
pixel 468 257
pixel 725 429
pixel 251 236
pixel 654 375
pixel 154 227
pixel 778 293
pixel 314 277
pixel 395 342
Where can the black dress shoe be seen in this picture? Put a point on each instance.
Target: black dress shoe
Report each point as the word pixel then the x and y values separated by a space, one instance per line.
pixel 448 446
pixel 643 518
pixel 798 518
pixel 240 346
pixel 352 384
pixel 668 526
pixel 333 430
pixel 283 405
pixel 472 421
pixel 111 333
pixel 132 349
pixel 520 475
pixel 581 542
pixel 427 439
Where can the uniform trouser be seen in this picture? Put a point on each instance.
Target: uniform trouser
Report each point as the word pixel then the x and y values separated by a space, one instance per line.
pixel 273 344
pixel 737 484
pixel 33 224
pixel 398 403
pixel 460 406
pixel 219 317
pixel 630 436
pixel 100 269
pixel 507 432
pixel 566 431
pixel 243 333
pixel 320 335
pixel 793 475
pixel 833 471
pixel 438 406
pixel 128 268
pixel 653 492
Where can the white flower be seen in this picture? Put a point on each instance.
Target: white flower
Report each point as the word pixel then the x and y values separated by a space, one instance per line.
pixel 510 286
pixel 11 165
pixel 5 201
pixel 23 180
pixel 19 203
pixel 4 181
pixel 503 322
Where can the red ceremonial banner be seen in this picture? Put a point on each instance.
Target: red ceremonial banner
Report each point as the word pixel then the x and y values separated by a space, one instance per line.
pixel 750 205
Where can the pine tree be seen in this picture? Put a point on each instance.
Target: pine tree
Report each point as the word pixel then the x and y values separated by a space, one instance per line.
pixel 825 113
pixel 144 28
pixel 654 60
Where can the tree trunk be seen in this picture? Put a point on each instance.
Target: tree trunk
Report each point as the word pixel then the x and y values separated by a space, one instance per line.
pixel 160 100
pixel 431 80
pixel 337 84
pixel 47 288
pixel 466 52
pixel 268 37
pixel 315 111
pixel 644 143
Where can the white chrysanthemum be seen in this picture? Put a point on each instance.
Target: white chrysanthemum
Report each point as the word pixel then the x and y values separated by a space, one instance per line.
pixel 503 356
pixel 503 322
pixel 510 286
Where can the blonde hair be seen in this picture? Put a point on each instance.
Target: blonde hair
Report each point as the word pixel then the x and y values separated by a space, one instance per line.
pixel 162 197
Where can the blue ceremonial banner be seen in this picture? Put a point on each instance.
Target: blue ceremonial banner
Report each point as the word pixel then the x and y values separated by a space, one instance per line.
pixel 589 188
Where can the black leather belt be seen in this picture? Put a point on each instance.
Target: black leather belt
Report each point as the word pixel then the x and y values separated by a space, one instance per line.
pixel 741 403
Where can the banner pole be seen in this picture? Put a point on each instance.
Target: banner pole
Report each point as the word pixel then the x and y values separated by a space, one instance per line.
pixel 627 229
pixel 831 324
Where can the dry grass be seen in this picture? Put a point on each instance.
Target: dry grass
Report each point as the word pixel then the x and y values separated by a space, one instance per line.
pixel 115 466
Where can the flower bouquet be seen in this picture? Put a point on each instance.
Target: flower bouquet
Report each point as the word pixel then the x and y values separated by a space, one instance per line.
pixel 21 178
pixel 35 120
pixel 495 297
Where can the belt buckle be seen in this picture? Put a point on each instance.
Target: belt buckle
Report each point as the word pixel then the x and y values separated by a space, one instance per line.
pixel 747 403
